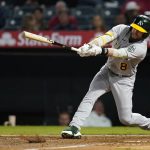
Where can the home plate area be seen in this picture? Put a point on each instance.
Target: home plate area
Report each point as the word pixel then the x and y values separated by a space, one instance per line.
pixel 103 142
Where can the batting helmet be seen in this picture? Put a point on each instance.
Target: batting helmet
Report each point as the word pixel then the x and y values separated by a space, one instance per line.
pixel 142 24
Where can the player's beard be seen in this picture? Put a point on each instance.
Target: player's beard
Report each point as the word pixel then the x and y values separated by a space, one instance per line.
pixel 132 39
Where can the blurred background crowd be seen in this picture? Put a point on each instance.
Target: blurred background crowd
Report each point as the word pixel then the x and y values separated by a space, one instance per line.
pixel 98 15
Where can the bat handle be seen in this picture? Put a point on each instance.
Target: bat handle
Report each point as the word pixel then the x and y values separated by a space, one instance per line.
pixel 65 46
pixel 75 49
pixel 71 48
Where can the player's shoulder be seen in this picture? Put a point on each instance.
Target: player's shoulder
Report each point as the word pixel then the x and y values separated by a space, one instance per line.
pixel 122 26
pixel 142 42
pixel 140 48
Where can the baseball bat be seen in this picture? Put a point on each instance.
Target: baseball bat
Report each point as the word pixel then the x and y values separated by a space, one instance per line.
pixel 46 40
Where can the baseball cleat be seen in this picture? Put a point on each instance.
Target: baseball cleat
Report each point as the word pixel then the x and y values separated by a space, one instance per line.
pixel 71 132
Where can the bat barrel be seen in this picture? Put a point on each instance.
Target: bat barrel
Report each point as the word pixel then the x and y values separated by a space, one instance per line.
pixel 45 40
pixel 36 37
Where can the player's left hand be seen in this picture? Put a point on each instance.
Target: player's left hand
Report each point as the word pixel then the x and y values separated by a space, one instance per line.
pixel 92 51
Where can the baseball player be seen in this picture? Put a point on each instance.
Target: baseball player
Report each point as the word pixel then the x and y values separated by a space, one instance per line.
pixel 129 48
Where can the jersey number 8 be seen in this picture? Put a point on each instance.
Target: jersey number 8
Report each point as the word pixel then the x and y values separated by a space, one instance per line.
pixel 123 66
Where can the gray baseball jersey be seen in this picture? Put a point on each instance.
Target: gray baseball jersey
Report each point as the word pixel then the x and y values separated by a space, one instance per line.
pixel 120 86
pixel 135 51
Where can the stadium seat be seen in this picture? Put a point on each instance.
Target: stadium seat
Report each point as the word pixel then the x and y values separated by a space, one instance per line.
pixel 84 22
pixel 7 11
pixel 18 13
pixel 83 11
pixel 49 12
pixel 12 24
pixel 109 15
pixel 28 8
pixel 111 4
pixel 99 10
pixel 111 12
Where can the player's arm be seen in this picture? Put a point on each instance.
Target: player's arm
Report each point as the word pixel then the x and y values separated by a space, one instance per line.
pixel 108 36
pixel 94 46
pixel 137 50
pixel 112 52
pixel 103 39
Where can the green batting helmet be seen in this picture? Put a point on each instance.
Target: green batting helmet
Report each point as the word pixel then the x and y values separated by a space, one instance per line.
pixel 142 24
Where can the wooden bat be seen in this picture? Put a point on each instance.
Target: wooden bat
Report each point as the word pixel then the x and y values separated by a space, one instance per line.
pixel 45 40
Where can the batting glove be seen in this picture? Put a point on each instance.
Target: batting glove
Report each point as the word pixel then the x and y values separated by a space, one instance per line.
pixel 85 47
pixel 90 50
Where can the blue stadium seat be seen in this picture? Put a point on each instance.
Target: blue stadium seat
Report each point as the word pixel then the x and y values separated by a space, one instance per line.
pixel 109 15
pixel 28 8
pixel 111 12
pixel 7 11
pixel 84 22
pixel 99 10
pixel 83 11
pixel 18 13
pixel 49 12
pixel 12 24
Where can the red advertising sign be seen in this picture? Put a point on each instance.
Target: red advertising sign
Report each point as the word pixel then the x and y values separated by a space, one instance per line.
pixel 74 38
pixel 70 38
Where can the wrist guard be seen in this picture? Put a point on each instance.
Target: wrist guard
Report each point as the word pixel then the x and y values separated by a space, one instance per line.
pixel 104 51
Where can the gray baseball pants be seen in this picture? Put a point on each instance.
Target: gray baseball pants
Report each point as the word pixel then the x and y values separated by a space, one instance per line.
pixel 122 90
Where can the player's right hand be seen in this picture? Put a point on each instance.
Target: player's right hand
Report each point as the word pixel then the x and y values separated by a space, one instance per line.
pixel 85 48
pixel 89 50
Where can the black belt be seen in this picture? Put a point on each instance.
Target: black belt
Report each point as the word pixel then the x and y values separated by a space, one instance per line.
pixel 119 75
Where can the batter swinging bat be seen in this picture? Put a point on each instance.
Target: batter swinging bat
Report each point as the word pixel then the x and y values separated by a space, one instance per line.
pixel 45 40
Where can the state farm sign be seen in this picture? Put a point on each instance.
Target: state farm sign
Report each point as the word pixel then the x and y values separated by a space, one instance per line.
pixel 7 39
pixel 75 40
pixel 70 38
pixel 15 39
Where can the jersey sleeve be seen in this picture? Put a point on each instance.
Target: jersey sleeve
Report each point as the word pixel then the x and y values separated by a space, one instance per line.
pixel 116 30
pixel 137 50
pixel 108 36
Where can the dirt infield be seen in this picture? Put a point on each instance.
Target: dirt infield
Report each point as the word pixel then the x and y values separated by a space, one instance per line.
pixel 102 142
